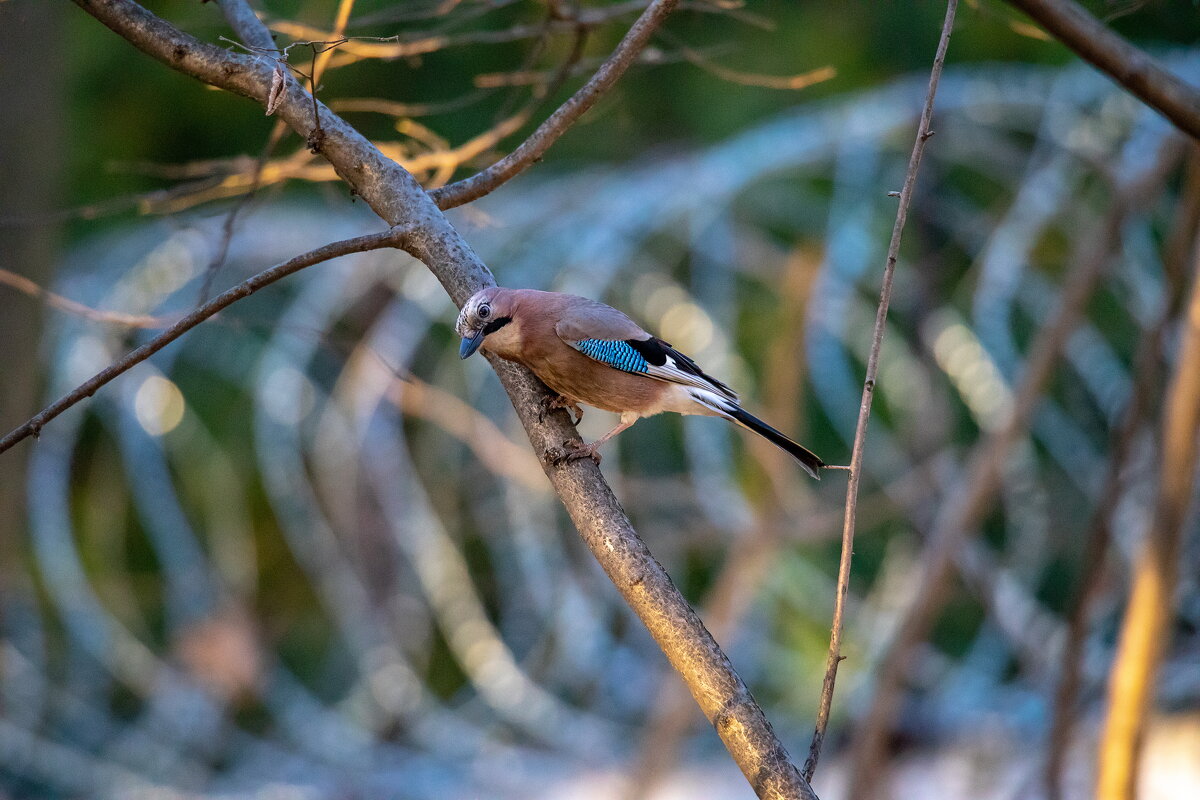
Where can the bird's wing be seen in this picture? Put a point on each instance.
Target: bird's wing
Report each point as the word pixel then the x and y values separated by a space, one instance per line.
pixel 606 335
pixel 580 318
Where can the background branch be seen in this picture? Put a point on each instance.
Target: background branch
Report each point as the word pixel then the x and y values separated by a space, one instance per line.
pixel 1145 630
pixel 1128 65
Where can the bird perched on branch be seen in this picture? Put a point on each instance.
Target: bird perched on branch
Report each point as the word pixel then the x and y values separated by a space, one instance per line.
pixel 591 353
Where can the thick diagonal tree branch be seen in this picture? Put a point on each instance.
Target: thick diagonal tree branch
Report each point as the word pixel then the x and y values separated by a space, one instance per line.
pixel 397 197
pixel 1143 76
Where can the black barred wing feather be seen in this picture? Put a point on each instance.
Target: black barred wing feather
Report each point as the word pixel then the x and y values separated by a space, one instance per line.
pixel 653 358
pixel 617 354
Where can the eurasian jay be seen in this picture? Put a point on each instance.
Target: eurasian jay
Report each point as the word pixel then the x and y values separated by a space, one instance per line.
pixel 591 353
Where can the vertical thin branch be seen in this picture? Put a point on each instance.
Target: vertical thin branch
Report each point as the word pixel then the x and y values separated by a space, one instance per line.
pixel 341 19
pixel 864 410
pixel 1145 629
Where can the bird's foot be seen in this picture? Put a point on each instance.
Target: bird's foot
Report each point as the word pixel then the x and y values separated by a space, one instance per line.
pixel 557 401
pixel 573 451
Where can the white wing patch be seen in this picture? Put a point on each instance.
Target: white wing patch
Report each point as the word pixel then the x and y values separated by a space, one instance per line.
pixel 671 372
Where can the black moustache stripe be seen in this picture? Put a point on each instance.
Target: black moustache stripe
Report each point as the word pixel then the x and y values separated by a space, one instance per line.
pixel 496 324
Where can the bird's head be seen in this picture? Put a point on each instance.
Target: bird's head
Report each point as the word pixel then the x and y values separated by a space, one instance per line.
pixel 486 312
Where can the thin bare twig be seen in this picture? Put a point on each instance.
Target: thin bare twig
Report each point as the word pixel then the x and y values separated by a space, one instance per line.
pixel 395 109
pixel 1128 65
pixel 406 14
pixel 556 124
pixel 784 82
pixel 395 237
pixel 227 227
pixel 650 56
pixel 924 132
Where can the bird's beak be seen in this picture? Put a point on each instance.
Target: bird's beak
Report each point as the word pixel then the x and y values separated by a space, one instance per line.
pixel 470 344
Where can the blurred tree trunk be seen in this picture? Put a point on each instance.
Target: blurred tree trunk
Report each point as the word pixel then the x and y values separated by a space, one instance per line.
pixel 1146 629
pixel 31 152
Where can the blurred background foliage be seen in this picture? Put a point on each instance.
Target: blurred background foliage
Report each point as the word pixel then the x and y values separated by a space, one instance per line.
pixel 668 106
pixel 305 553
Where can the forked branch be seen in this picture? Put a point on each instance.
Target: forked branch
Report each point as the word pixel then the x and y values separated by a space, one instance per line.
pixel 556 124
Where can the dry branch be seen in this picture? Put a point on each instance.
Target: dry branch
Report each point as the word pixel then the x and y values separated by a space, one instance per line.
pixel 55 300
pixel 1144 380
pixel 864 410
pixel 396 196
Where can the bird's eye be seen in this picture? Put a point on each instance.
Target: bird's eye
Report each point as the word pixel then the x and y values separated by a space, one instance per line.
pixel 484 311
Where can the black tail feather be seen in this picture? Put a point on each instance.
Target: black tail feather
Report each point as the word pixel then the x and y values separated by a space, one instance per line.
pixel 812 465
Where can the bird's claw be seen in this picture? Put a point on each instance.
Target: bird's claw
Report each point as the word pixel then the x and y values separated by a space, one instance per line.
pixel 573 451
pixel 557 401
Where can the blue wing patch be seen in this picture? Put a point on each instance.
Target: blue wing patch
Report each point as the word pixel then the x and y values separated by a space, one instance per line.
pixel 618 354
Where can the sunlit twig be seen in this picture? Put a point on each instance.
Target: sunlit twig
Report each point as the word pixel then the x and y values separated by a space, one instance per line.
pixel 26 286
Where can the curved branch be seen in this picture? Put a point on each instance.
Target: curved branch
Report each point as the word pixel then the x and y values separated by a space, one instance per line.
pixel 533 148
pixel 396 196
pixel 359 244
pixel 1126 64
